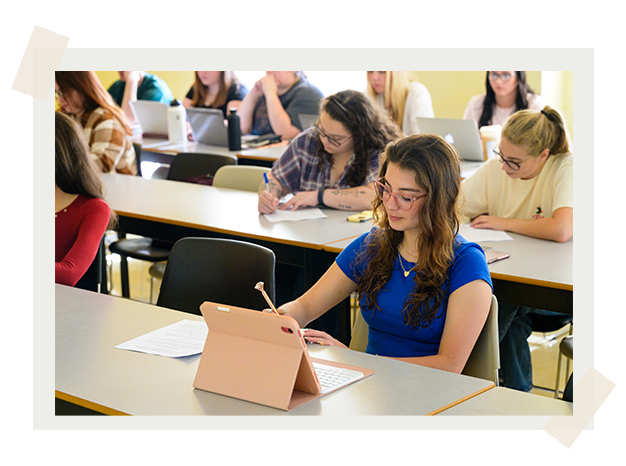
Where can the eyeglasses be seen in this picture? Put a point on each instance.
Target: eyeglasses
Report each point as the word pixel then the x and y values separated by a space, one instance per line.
pixel 512 165
pixel 502 77
pixel 334 141
pixel 403 201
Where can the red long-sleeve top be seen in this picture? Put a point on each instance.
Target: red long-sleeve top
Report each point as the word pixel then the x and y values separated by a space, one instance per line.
pixel 78 231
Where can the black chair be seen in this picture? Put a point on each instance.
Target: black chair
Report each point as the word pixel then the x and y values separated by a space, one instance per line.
pixel 183 167
pixel 187 165
pixel 545 324
pixel 218 270
pixel 137 148
pixel 94 278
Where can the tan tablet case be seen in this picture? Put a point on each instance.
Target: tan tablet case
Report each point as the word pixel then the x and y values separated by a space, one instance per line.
pixel 258 357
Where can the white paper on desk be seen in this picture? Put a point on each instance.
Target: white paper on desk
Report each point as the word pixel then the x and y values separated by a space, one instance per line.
pixel 478 235
pixel 295 215
pixel 184 338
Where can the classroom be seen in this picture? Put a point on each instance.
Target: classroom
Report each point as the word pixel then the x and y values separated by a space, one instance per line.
pixel 300 248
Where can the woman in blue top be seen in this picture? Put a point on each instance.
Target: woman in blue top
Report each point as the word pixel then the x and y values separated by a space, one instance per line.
pixel 424 290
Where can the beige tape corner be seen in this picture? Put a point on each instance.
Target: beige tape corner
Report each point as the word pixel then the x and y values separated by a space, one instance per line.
pixel 589 394
pixel 37 84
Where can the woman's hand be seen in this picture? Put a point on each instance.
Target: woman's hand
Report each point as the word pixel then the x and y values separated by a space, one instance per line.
pixel 321 338
pixel 267 202
pixel 301 199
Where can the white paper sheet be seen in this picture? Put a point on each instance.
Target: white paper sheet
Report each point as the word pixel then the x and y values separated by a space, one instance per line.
pixel 478 235
pixel 184 338
pixel 295 215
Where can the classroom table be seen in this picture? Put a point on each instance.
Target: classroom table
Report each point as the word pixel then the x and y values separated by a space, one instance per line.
pixel 171 210
pixel 91 373
pixel 161 151
pixel 503 401
pixel 538 273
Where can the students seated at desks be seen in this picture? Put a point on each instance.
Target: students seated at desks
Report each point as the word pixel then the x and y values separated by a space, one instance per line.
pixel 507 92
pixel 403 98
pixel 527 189
pixel 424 290
pixel 105 126
pixel 81 215
pixel 276 102
pixel 335 162
pixel 138 85
pixel 215 89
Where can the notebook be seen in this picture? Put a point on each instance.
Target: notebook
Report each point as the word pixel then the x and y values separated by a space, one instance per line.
pixel 462 134
pixel 261 357
pixel 152 117
pixel 208 126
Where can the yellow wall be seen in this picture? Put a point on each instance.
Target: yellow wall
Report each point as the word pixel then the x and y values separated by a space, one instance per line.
pixel 450 90
pixel 179 81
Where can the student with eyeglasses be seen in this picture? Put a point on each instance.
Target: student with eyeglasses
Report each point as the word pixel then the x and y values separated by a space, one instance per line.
pixel 526 189
pixel 424 291
pixel 334 163
pixel 507 92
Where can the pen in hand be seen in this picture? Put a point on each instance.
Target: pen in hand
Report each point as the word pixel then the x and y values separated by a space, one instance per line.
pixel 267 183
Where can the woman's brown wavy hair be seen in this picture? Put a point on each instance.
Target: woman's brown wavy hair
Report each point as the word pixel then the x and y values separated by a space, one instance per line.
pixel 371 130
pixel 437 171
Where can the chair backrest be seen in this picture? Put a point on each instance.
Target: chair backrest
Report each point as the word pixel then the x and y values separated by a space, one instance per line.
pixel 360 331
pixel 484 360
pixel 137 148
pixel 190 164
pixel 219 270
pixel 94 278
pixel 242 177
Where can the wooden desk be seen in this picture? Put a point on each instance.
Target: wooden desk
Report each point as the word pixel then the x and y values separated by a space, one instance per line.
pixel 90 372
pixel 506 402
pixel 171 210
pixel 539 273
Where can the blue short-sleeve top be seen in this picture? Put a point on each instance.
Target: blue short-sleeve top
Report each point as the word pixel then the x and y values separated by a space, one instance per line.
pixel 388 334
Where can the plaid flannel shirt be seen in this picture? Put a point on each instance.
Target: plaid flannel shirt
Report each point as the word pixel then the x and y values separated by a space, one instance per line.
pixel 298 169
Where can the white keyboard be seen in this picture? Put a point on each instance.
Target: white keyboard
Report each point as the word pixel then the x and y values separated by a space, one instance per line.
pixel 331 377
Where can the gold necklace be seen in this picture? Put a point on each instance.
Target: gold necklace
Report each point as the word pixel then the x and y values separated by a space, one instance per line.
pixel 406 274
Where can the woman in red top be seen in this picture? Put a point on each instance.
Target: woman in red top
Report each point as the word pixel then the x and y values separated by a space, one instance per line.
pixel 81 215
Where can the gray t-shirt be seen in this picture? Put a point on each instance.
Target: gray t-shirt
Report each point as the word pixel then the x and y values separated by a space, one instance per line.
pixel 301 98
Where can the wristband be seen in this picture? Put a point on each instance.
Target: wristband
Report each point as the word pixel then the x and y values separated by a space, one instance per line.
pixel 320 197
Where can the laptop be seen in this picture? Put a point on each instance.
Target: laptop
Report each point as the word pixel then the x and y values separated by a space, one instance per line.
pixel 261 357
pixel 208 126
pixel 462 134
pixel 152 117
pixel 307 120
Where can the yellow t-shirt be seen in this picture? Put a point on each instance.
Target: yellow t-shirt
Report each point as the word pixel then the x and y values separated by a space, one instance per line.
pixel 491 191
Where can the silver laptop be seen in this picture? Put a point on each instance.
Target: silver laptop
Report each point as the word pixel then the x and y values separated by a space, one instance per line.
pixel 307 120
pixel 208 126
pixel 462 134
pixel 152 117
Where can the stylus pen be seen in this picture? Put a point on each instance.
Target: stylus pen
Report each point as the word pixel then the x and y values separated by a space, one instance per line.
pixel 267 183
pixel 259 286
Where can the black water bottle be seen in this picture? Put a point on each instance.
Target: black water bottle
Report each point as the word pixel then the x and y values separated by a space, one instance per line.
pixel 234 130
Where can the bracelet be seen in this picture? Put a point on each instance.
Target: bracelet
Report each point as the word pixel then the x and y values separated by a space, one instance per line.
pixel 320 197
